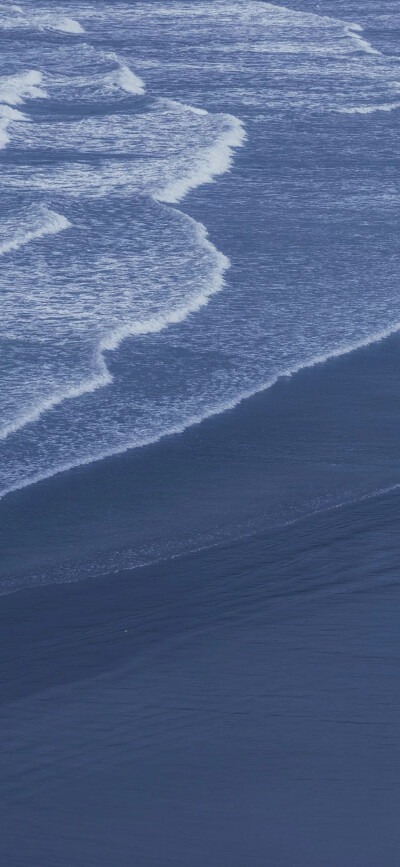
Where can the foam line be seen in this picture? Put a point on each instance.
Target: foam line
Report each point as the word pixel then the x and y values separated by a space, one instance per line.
pixel 42 21
pixel 369 109
pixel 124 77
pixel 99 380
pixel 53 224
pixel 216 160
pixel 7 115
pixel 354 31
pixel 102 377
pixel 213 411
pixel 14 89
pixel 67 25
pixel 351 29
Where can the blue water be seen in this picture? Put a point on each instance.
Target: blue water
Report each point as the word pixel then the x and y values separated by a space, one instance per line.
pixel 199 433
pixel 196 199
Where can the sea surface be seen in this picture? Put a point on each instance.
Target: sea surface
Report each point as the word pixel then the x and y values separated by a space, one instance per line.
pixel 199 433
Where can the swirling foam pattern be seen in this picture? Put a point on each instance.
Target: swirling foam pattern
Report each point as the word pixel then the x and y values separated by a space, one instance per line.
pixel 114 328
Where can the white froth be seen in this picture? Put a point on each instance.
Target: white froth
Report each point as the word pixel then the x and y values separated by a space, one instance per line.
pixel 175 150
pixel 99 380
pixel 354 31
pixel 124 77
pixel 212 161
pixel 93 317
pixel 66 25
pixel 48 223
pixel 369 109
pixel 181 312
pixel 172 152
pixel 16 17
pixel 14 90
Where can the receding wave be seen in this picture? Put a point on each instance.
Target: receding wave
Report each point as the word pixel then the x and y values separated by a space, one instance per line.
pixel 113 276
pixel 14 90
pixel 188 422
pixel 124 77
pixel 211 162
pixel 101 323
pixel 355 31
pixel 369 109
pixel 46 222
pixel 167 150
pixel 15 17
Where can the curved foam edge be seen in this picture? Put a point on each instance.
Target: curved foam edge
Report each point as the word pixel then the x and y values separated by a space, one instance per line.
pixel 53 224
pixel 351 29
pixel 14 89
pixel 61 23
pixel 67 25
pixel 110 342
pixel 124 77
pixel 215 160
pixel 100 380
pixel 354 31
pixel 129 81
pixel 369 109
pixel 221 408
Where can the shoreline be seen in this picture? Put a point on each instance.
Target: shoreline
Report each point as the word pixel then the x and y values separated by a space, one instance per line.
pixel 281 454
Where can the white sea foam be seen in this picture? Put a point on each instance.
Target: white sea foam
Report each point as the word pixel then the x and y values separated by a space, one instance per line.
pixel 369 109
pixel 175 313
pixel 171 175
pixel 176 150
pixel 8 114
pixel 192 420
pixel 47 223
pixel 354 31
pixel 213 161
pixel 124 77
pixel 15 17
pixel 181 312
pixel 65 25
pixel 14 89
pixel 98 380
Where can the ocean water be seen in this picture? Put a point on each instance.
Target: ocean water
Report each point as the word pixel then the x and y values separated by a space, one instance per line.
pixel 197 199
pixel 199 433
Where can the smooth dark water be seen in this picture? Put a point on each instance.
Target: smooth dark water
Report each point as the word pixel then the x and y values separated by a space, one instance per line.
pixel 238 705
pixel 235 706
pixel 199 642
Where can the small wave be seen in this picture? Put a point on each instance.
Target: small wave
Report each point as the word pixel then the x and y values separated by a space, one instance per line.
pixel 66 25
pixel 369 109
pixel 8 114
pixel 214 161
pixel 14 89
pixel 354 31
pixel 192 420
pixel 53 223
pixel 172 317
pixel 172 149
pixel 15 17
pixel 124 78
pixel 99 380
pixel 178 309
